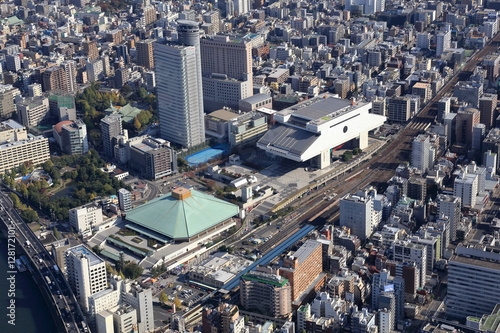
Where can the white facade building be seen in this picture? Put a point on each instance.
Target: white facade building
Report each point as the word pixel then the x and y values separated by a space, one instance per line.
pixel 422 154
pixel 86 273
pixel 466 188
pixel 473 275
pixel 179 88
pixel 309 130
pixel 85 217
pixel 405 251
pixel 450 206
pixel 357 213
pixel 443 42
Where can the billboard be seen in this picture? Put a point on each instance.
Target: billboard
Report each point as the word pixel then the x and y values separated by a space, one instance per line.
pixel 389 287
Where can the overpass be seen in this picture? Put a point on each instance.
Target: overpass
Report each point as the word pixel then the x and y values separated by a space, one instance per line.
pixel 58 295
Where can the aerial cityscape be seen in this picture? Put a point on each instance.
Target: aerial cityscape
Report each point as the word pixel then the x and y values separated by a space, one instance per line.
pixel 239 166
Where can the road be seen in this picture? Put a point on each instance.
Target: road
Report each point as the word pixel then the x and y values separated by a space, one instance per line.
pixel 66 310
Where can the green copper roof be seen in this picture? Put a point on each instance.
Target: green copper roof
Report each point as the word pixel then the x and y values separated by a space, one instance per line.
pixel 185 218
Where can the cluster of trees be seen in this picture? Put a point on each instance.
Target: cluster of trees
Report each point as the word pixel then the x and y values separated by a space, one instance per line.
pixel 26 212
pixel 348 155
pixel 113 5
pixel 92 102
pixel 82 174
pixel 128 269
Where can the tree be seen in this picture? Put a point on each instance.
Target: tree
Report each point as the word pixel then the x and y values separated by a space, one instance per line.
pixel 347 156
pixel 96 249
pixel 15 200
pixel 137 123
pixel 177 302
pixel 163 298
pixel 132 270
pixel 29 215
pixel 357 151
pixel 57 234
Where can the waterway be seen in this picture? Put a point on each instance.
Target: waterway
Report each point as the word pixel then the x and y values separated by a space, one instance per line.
pixel 32 314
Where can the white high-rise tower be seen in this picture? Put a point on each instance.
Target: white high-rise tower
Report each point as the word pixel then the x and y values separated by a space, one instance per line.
pixel 179 87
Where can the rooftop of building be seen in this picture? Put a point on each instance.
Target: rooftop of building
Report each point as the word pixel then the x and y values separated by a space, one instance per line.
pixel 273 279
pixel 82 251
pixel 222 114
pixel 306 250
pixel 182 213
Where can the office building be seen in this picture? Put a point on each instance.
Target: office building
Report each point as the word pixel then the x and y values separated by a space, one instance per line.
pixel 32 111
pixel 153 158
pixel 424 40
pixel 125 305
pixel 466 187
pixel 62 105
pixel 228 56
pixel 220 90
pixel 111 127
pixel 84 218
pixel 465 121
pixel 491 63
pixel 399 109
pixel 13 62
pixel 423 90
pixel 382 285
pixel 443 106
pixel 422 154
pixel 179 87
pixel 473 275
pixel 487 107
pixel 125 199
pixel 71 137
pixel 443 42
pixel 86 273
pixel 358 214
pixel 405 251
pixel 468 92
pixel 145 53
pixel 266 292
pixel 247 128
pixel 95 70
pixel 7 96
pixel 16 147
pixel 302 268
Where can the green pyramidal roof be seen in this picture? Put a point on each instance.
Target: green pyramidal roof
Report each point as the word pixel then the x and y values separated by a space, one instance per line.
pixel 182 213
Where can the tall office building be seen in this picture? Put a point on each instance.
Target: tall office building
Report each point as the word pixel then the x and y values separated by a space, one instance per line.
pixel 443 42
pixel 179 87
pixel 111 127
pixel 422 154
pixel 125 199
pixel 405 252
pixel 72 137
pixel 466 187
pixel 450 206
pixel 145 53
pixel 357 213
pixel 226 65
pixel 86 273
pixel 487 106
pixel 7 95
pixel 383 285
pixel 465 121
pixel 443 106
pixel 473 275
pixel 70 73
